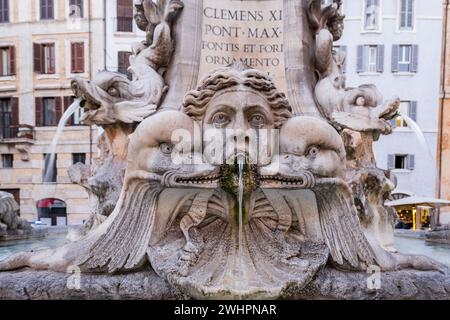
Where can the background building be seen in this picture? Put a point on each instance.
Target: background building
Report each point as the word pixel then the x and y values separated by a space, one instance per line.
pixel 43 44
pixel 396 45
pixel 443 155
pixel 121 33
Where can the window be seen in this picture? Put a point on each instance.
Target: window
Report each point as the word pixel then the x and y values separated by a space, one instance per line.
pixel 370 58
pixel 47 9
pixel 77 55
pixel 44 58
pixel 7 61
pixel 408 108
pixel 124 63
pixel 404 61
pixel 76 8
pixel 406 14
pixel 405 58
pixel 343 49
pixel 50 169
pixel 48 111
pixel 371 15
pixel 79 158
pixel 125 15
pixel 7 161
pixel 9 118
pixel 401 161
pixel 4 11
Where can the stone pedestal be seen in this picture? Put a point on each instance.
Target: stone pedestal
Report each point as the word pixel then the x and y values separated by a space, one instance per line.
pixel 329 284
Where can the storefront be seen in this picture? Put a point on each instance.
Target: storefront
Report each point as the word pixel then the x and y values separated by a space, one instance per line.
pixel 417 213
pixel 52 211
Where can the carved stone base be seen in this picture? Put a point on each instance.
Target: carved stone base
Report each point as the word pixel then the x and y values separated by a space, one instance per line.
pixel 146 285
pixel 442 236
pixel 400 285
pixel 45 285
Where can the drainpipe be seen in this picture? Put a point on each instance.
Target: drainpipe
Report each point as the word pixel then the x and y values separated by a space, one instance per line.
pixel 441 111
pixel 90 73
pixel 105 43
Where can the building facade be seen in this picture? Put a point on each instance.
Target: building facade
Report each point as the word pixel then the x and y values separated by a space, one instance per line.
pixel 443 150
pixel 121 33
pixel 44 44
pixel 396 45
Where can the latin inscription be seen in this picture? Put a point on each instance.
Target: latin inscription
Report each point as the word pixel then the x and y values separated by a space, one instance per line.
pixel 247 31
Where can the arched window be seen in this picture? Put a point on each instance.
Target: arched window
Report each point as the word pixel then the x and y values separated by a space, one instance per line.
pixel 52 211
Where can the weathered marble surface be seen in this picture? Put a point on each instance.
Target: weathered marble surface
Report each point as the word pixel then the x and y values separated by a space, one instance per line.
pixel 399 285
pixel 146 285
pixel 45 285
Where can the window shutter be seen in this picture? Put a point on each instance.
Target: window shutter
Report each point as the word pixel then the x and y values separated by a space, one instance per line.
pixel 37 53
pixel 395 57
pixel 15 115
pixel 50 9
pixel 43 9
pixel 80 56
pixel 414 58
pixel 360 59
pixel 58 109
pixel 391 161
pixel 410 13
pixel 344 50
pixel 39 111
pixel 380 58
pixel 67 102
pixel 12 61
pixel 411 159
pixel 413 110
pixel 4 11
pixel 73 58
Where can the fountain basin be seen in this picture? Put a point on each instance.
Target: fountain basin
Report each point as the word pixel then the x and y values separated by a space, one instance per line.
pixel 146 285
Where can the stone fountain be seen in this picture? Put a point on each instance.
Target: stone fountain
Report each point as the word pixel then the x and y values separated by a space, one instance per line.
pixel 252 180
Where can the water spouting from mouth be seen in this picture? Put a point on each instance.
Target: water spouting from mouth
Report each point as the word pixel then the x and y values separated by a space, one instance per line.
pixel 51 155
pixel 240 162
pixel 419 134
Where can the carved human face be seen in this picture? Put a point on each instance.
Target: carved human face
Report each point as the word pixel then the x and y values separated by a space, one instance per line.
pixel 239 115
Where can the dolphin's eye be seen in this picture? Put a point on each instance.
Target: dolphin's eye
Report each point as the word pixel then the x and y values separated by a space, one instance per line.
pixel 113 92
pixel 257 120
pixel 313 152
pixel 220 119
pixel 166 148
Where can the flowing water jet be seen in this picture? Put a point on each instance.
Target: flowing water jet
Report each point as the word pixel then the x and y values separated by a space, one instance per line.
pixel 419 134
pixel 52 152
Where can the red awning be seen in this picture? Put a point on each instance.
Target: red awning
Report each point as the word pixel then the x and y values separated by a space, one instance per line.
pixel 49 203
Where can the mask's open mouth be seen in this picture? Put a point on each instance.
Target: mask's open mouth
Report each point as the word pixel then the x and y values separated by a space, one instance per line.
pixel 304 180
pixel 209 180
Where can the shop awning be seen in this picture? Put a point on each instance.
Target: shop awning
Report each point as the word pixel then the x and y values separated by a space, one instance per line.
pixel 418 201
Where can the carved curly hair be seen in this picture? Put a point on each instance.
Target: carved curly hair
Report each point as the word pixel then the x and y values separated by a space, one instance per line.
pixel 237 74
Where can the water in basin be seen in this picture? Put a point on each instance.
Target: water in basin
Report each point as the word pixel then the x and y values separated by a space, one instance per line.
pixel 10 247
pixel 437 251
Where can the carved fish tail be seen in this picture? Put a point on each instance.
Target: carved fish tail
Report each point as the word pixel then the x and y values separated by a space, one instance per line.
pixel 123 248
pixel 341 229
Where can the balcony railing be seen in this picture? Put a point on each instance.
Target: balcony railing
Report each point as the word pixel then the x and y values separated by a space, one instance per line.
pixel 14 132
